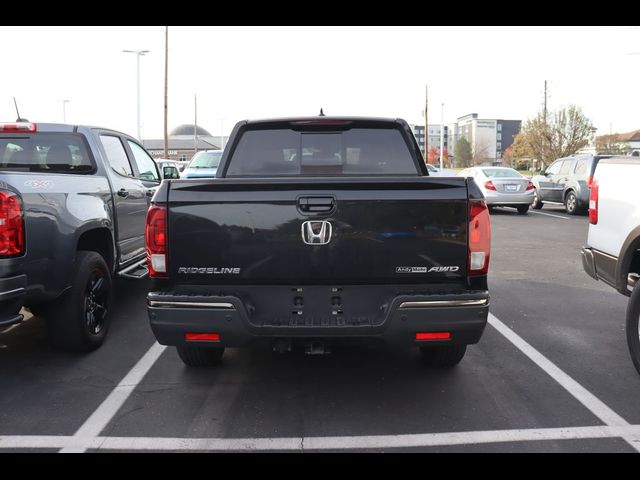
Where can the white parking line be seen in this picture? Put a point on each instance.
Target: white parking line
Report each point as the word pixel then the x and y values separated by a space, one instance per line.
pixel 77 443
pixel 550 215
pixel 586 398
pixel 109 408
pixel 88 435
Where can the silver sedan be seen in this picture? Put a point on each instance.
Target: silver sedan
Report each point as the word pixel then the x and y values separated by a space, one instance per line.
pixel 502 187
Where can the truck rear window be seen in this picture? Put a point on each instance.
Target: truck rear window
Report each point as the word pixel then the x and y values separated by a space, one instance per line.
pixel 45 152
pixel 286 152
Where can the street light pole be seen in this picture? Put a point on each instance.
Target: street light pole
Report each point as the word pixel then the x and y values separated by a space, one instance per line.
pixel 222 133
pixel 166 88
pixel 138 53
pixel 64 110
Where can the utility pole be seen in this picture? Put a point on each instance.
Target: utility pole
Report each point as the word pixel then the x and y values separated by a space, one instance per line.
pixel 166 87
pixel 426 123
pixel 545 124
pixel 545 103
pixel 441 135
pixel 195 124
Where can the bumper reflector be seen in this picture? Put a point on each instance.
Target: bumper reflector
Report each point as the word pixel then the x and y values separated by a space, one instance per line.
pixel 202 337
pixel 433 336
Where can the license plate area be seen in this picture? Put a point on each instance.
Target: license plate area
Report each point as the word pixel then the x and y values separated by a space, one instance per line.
pixel 316 306
pixel 511 188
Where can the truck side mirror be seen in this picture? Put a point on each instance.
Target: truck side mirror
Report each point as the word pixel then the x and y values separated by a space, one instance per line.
pixel 170 172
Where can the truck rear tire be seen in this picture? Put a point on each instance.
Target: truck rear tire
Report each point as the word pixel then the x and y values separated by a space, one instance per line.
pixel 446 357
pixel 80 319
pixel 633 330
pixel 200 356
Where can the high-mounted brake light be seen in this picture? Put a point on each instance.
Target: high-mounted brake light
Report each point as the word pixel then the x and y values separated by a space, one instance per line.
pixel 321 122
pixel 593 202
pixel 18 127
pixel 479 237
pixel 489 185
pixel 11 224
pixel 156 240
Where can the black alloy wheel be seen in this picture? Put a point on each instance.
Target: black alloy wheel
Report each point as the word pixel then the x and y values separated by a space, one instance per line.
pixel 96 302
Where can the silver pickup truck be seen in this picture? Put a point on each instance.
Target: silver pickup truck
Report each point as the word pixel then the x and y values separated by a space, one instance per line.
pixel 73 202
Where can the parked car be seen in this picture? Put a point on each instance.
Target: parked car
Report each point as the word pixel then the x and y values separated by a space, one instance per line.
pixel 182 165
pixel 612 253
pixel 432 169
pixel 567 182
pixel 502 187
pixel 73 201
pixel 203 164
pixel 169 169
pixel 436 172
pixel 319 231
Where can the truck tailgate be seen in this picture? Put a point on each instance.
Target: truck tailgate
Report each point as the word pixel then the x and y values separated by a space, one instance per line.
pixel 393 230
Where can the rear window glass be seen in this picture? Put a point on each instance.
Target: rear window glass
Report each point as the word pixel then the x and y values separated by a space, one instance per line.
pixel 45 152
pixel 358 151
pixel 206 160
pixel 501 172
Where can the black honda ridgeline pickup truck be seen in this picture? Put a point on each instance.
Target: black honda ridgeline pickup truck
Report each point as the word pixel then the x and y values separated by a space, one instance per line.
pixel 317 232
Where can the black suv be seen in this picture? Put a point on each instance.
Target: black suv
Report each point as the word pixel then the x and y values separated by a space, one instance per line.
pixel 567 181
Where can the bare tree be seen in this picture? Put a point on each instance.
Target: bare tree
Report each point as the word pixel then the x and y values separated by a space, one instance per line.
pixel 564 133
pixel 480 154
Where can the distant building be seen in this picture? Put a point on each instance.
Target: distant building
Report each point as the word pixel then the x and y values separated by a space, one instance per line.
pixel 184 142
pixel 488 138
pixel 617 143
pixel 434 136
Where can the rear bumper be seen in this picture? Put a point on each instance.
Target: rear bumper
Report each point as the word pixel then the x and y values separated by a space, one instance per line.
pixel 12 295
pixel 464 316
pixel 498 198
pixel 588 263
pixel 602 266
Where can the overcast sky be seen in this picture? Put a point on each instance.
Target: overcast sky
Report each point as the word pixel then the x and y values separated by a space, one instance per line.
pixel 256 72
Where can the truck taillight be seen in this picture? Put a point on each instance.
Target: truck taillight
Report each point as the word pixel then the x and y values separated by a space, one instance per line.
pixel 11 225
pixel 479 237
pixel 593 202
pixel 155 236
pixel 589 181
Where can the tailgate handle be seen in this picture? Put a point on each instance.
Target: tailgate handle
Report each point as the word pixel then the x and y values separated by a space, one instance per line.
pixel 316 204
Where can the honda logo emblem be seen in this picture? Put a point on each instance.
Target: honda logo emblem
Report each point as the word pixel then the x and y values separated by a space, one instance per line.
pixel 316 233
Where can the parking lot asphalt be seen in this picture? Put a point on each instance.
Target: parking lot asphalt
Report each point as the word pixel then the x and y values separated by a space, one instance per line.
pixel 551 373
